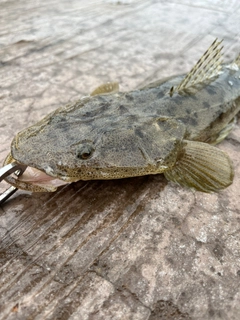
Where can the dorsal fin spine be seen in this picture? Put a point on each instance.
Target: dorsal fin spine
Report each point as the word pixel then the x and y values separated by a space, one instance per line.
pixel 201 61
pixel 209 65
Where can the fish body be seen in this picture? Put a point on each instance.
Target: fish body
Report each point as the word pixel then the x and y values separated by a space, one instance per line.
pixel 161 128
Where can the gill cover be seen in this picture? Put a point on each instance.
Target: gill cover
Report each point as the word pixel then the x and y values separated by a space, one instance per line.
pixel 149 147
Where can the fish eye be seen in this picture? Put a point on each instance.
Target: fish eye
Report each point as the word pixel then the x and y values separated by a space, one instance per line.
pixel 84 151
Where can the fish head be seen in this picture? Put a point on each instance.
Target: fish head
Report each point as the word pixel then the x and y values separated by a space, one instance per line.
pixel 67 152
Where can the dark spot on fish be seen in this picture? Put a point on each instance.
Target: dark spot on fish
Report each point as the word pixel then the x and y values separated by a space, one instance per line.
pixel 101 98
pixel 56 119
pixel 160 95
pixel 98 111
pixel 179 99
pixel 61 118
pixel 171 110
pixel 222 116
pixel 189 121
pixel 193 97
pixel 206 105
pixel 212 124
pixel 133 119
pixel 63 126
pixel 139 133
pixel 193 121
pixel 122 109
pixel 105 105
pixel 129 97
pixel 210 90
pixel 218 251
pixel 195 114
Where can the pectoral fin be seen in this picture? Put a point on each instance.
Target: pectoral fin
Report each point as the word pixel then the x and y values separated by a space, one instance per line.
pixel 106 88
pixel 203 167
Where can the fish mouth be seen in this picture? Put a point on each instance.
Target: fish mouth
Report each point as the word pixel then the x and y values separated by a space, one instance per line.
pixel 36 177
pixel 33 179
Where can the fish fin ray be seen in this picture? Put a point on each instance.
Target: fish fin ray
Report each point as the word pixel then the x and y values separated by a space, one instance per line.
pixel 106 88
pixel 202 167
pixel 207 67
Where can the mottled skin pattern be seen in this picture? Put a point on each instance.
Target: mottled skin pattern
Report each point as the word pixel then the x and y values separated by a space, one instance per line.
pixel 128 134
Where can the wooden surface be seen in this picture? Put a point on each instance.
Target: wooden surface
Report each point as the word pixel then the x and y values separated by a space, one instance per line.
pixel 138 248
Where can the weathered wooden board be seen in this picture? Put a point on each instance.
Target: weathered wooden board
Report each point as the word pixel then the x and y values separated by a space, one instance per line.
pixel 138 248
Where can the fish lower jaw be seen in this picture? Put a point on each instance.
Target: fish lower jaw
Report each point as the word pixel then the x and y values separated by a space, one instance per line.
pixel 35 180
pixel 36 177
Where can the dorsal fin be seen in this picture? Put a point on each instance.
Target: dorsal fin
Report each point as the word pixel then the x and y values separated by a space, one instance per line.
pixel 208 66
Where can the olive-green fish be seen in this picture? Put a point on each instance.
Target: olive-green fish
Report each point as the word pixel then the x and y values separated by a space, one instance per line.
pixel 166 127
